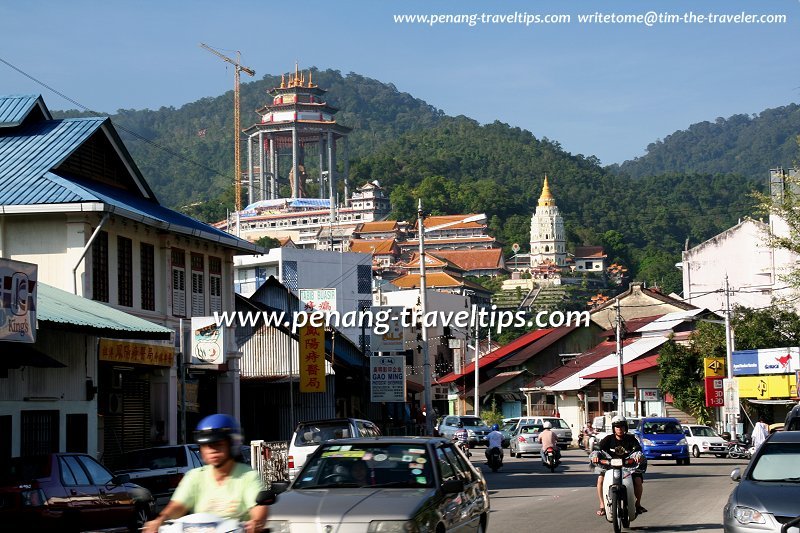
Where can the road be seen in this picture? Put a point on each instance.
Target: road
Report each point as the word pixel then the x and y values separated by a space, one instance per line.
pixel 527 497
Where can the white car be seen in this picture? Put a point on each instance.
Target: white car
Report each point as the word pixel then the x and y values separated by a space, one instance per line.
pixel 703 439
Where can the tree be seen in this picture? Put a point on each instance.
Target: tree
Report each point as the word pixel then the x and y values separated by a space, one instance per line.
pixel 268 242
pixel 681 371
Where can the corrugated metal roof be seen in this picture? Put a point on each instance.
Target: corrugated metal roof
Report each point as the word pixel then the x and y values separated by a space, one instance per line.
pixel 14 109
pixel 61 307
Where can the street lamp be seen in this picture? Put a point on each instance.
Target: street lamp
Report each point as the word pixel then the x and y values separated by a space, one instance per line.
pixel 423 307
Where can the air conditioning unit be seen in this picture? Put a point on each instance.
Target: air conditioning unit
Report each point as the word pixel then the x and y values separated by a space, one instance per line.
pixel 115 404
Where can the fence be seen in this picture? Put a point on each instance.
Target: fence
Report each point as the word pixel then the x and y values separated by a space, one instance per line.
pixel 270 460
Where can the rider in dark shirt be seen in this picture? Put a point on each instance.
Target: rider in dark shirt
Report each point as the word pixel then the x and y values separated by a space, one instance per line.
pixel 620 444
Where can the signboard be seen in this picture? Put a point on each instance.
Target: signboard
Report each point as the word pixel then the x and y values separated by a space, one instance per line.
pixel 312 359
pixel 715 393
pixel 392 340
pixel 649 395
pixel 17 301
pixel 731 391
pixel 140 353
pixel 714 367
pixel 608 396
pixel 767 387
pixel 318 299
pixel 387 378
pixel 768 361
pixel 207 341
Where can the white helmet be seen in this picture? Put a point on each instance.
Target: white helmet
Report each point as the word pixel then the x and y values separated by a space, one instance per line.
pixel 619 421
pixel 547 425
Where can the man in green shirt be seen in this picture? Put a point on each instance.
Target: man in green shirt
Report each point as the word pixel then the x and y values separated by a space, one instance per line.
pixel 222 487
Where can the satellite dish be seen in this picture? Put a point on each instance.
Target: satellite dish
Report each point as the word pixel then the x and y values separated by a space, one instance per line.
pixel 515 247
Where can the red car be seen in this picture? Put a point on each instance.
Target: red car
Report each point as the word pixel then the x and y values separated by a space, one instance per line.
pixel 69 492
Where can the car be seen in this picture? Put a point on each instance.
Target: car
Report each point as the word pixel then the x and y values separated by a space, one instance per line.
pixel 159 469
pixel 559 426
pixel 792 422
pixel 663 438
pixel 525 440
pixel 704 440
pixel 506 429
pixel 309 435
pixel 768 490
pixel 69 492
pixel 476 428
pixel 383 484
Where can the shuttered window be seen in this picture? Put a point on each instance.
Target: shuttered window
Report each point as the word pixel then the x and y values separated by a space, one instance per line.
pixel 124 271
pixel 198 286
pixel 148 265
pixel 178 282
pixel 215 284
pixel 100 267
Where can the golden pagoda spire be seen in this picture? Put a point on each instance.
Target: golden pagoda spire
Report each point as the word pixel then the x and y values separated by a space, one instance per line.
pixel 283 81
pixel 546 199
pixel 309 79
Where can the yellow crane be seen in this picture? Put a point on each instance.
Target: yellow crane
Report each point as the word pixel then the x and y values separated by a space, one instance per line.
pixel 237 68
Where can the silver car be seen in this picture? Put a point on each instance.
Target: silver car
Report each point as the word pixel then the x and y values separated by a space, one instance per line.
pixel 768 492
pixel 383 484
pixel 525 440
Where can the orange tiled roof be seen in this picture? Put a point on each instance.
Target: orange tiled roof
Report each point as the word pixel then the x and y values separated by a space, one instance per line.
pixel 482 259
pixel 284 241
pixel 432 241
pixel 432 260
pixel 433 279
pixel 375 247
pixel 589 251
pixel 380 226
pixel 432 222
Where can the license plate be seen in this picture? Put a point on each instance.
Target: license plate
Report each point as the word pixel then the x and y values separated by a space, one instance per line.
pixel 666 455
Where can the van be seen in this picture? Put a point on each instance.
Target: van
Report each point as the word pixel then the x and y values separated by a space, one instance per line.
pixel 308 436
pixel 663 438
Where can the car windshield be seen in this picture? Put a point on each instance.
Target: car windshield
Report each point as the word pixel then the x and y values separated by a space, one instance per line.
pixel 471 422
pixel 663 427
pixel 779 461
pixel 382 465
pixel 155 458
pixel 557 423
pixel 314 434
pixel 704 431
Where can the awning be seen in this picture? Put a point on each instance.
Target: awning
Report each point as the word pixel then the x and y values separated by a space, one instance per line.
pixel 634 367
pixel 18 354
pixel 772 402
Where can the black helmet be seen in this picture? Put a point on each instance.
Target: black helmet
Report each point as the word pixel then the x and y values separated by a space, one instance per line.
pixel 215 428
pixel 619 421
pixel 461 424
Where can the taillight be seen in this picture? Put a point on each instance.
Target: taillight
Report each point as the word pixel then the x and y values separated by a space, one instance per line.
pixel 290 461
pixel 33 498
pixel 520 439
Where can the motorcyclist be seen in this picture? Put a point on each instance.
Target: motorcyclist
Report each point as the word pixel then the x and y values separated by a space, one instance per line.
pixel 549 440
pixel 461 436
pixel 223 487
pixel 495 439
pixel 619 444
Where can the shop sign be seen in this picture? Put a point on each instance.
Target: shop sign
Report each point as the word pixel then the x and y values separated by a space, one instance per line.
pixel 715 392
pixel 392 340
pixel 140 353
pixel 17 301
pixel 387 378
pixel 767 387
pixel 648 395
pixel 767 361
pixel 318 300
pixel 312 358
pixel 207 341
pixel 714 367
pixel 609 396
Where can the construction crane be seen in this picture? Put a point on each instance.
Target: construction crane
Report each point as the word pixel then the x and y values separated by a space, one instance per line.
pixel 237 67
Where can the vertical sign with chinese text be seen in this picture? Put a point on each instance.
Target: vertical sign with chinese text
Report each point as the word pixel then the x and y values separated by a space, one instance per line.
pixel 388 378
pixel 312 359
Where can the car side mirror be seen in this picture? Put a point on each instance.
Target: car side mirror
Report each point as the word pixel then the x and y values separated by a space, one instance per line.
pixel 279 487
pixel 454 486
pixel 119 479
pixel 736 475
pixel 266 497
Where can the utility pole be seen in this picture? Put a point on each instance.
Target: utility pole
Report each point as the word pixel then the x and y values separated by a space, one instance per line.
pixel 729 350
pixel 237 68
pixel 620 382
pixel 477 381
pixel 423 307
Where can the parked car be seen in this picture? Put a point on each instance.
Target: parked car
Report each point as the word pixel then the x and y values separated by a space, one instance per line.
pixel 309 435
pixel 384 484
pixel 69 492
pixel 663 438
pixel 703 439
pixel 768 491
pixel 525 440
pixel 475 426
pixel 161 468
pixel 559 426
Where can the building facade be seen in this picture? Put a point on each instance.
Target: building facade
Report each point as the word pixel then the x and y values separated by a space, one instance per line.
pixel 548 239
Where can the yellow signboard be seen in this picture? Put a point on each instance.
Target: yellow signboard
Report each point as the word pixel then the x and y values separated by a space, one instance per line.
pixel 312 359
pixel 140 353
pixel 767 387
pixel 714 367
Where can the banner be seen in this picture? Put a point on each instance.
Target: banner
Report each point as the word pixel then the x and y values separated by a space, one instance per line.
pixel 207 341
pixel 715 392
pixel 767 361
pixel 140 353
pixel 312 359
pixel 17 301
pixel 387 378
pixel 392 340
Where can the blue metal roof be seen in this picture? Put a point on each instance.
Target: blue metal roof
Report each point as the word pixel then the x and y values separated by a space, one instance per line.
pixel 14 109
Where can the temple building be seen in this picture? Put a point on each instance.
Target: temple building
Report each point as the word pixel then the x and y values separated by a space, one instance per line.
pixel 548 241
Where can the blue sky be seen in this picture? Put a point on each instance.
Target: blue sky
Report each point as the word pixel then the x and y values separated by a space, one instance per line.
pixel 604 90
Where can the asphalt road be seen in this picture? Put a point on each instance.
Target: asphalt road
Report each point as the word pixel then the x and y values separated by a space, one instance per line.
pixel 526 497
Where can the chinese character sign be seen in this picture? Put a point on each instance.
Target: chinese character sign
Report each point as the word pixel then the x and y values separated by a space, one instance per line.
pixel 17 301
pixel 140 353
pixel 318 300
pixel 388 379
pixel 312 359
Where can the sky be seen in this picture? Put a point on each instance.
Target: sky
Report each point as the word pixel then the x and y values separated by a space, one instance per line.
pixel 603 89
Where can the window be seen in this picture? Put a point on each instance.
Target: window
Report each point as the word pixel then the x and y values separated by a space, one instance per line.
pixel 124 271
pixel 39 432
pixel 100 267
pixel 198 286
pixel 147 267
pixel 365 279
pixel 99 474
pixel 290 274
pixel 446 469
pixel 215 284
pixel 72 473
pixel 178 258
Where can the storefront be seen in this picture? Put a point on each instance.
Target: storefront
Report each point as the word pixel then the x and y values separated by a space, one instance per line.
pixel 768 382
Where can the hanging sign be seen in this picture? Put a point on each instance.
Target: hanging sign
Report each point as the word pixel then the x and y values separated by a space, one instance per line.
pixel 17 301
pixel 312 358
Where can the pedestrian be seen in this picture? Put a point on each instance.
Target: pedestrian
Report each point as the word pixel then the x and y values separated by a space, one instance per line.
pixel 760 433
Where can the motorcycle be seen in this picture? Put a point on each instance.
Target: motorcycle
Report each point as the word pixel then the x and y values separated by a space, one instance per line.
pixel 550 459
pixel 495 459
pixel 740 448
pixel 211 523
pixel 618 493
pixel 463 445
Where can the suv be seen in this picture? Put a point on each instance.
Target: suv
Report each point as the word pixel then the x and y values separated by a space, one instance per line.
pixel 475 426
pixel 161 468
pixel 663 438
pixel 69 492
pixel 309 435
pixel 559 427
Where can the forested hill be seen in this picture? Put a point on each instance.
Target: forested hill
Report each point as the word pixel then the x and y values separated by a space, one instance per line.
pixel 741 144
